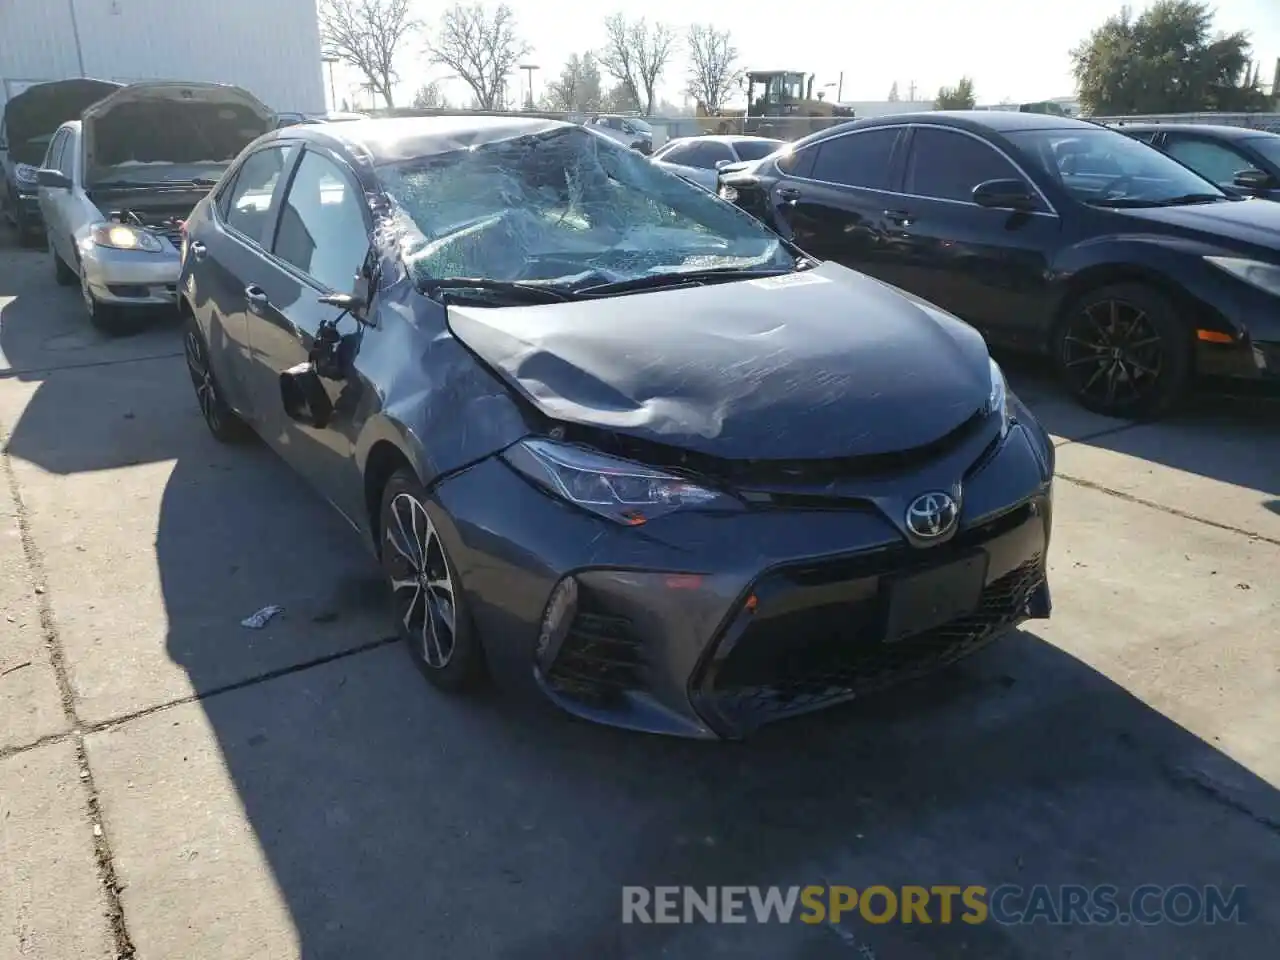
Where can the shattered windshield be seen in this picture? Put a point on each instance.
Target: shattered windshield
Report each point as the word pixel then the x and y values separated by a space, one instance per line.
pixel 566 206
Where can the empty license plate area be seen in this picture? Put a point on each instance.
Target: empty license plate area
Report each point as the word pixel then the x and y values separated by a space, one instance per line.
pixel 922 601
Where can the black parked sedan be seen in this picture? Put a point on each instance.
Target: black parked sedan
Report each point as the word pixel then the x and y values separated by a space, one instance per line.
pixel 1238 159
pixel 1050 234
pixel 612 439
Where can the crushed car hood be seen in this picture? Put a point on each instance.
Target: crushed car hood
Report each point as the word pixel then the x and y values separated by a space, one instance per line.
pixel 39 110
pixel 826 363
pixel 169 122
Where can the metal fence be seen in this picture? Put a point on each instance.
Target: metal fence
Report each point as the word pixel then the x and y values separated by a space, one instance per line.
pixel 1255 121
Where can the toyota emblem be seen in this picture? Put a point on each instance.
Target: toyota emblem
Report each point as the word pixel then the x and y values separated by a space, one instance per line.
pixel 932 515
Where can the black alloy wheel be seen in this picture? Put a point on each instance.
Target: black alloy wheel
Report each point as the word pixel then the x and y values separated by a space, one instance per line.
pixel 222 422
pixel 1124 351
pixel 426 596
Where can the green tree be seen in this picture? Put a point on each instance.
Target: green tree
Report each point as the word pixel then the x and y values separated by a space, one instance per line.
pixel 578 89
pixel 1168 60
pixel 959 97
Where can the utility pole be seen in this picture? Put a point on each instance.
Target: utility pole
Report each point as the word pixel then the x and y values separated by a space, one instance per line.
pixel 840 89
pixel 911 91
pixel 75 33
pixel 528 68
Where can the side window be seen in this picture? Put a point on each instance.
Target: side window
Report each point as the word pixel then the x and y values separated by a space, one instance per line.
pixel 67 154
pixel 677 154
pixel 857 159
pixel 246 203
pixel 322 228
pixel 1214 161
pixel 53 155
pixel 798 163
pixel 948 165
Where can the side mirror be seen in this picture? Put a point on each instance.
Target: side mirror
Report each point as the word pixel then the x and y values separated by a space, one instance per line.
pixel 1004 195
pixel 1254 180
pixel 305 399
pixel 53 179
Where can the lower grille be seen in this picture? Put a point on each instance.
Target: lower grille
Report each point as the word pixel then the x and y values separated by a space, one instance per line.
pixel 812 658
pixel 601 658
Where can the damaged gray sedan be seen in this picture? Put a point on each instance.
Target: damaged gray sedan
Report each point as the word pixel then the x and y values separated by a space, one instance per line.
pixel 614 442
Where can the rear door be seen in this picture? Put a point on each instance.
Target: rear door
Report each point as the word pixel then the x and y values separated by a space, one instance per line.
pixel 319 246
pixel 224 261
pixel 836 194
pixel 987 266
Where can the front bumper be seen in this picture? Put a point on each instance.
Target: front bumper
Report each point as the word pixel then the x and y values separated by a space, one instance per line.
pixel 131 278
pixel 709 626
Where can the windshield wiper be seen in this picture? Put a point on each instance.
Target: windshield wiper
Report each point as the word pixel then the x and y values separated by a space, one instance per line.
pixel 657 281
pixel 1187 198
pixel 1127 203
pixel 511 289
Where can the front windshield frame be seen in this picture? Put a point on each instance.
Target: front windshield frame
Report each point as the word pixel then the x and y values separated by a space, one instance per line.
pixel 1118 170
pixel 586 211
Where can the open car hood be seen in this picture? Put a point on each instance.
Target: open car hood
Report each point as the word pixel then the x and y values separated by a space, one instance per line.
pixel 186 123
pixel 39 110
pixel 821 364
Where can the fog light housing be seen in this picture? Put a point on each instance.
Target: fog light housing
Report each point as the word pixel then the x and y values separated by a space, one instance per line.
pixel 561 609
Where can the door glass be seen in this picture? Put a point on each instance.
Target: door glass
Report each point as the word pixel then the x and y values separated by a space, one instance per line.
pixel 706 155
pixel 67 154
pixel 322 228
pixel 248 209
pixel 948 165
pixel 53 157
pixel 1211 160
pixel 678 154
pixel 857 159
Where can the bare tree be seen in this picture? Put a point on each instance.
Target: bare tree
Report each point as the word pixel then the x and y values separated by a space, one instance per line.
pixel 635 54
pixel 480 45
pixel 429 97
pixel 713 66
pixel 366 34
pixel 578 88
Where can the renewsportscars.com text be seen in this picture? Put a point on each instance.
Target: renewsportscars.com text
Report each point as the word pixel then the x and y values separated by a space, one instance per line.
pixel 1181 904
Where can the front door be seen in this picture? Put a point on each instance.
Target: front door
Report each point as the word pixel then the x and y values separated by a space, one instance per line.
pixel 836 196
pixel 319 246
pixel 53 201
pixel 989 267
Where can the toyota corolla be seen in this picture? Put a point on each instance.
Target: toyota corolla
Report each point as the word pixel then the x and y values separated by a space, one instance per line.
pixel 612 440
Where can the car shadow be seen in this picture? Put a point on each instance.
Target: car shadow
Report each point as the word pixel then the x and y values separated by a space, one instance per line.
pixel 397 821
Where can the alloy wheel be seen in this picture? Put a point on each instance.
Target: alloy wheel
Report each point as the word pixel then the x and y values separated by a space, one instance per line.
pixel 421 582
pixel 202 380
pixel 1113 353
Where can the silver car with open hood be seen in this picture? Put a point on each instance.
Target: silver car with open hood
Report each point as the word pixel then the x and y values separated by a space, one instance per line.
pixel 117 184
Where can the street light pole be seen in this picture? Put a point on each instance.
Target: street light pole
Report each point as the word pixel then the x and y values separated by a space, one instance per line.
pixel 75 33
pixel 333 93
pixel 528 69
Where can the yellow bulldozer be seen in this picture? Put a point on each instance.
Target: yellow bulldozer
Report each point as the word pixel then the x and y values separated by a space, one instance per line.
pixel 780 103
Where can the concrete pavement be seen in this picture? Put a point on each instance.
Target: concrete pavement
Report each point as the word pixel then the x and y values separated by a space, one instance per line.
pixel 173 785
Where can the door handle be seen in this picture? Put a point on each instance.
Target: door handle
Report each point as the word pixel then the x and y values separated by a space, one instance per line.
pixel 788 194
pixel 899 218
pixel 256 297
pixel 198 249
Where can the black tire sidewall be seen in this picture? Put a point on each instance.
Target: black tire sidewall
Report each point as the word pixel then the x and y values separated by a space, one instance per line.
pixel 1178 345
pixel 230 428
pixel 466 665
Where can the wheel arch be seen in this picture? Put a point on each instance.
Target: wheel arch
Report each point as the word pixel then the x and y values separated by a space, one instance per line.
pixel 1098 276
pixel 383 458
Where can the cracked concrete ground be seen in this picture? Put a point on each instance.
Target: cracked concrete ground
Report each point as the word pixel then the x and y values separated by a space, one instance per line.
pixel 172 785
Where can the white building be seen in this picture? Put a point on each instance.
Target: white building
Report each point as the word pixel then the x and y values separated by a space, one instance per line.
pixel 269 47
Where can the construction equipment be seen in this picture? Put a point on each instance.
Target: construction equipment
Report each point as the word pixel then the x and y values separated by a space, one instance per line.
pixel 780 103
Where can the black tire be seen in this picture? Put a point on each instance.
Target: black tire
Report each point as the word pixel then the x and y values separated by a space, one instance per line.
pixel 222 422
pixel 1125 350
pixel 427 599
pixel 63 275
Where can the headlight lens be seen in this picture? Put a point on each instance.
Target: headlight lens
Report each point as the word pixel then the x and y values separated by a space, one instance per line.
pixel 998 400
pixel 625 492
pixel 1264 276
pixel 728 193
pixel 122 236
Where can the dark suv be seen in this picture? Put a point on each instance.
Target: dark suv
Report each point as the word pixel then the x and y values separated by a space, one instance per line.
pixel 1238 159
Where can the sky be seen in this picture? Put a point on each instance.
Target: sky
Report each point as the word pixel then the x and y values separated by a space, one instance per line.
pixel 1014 49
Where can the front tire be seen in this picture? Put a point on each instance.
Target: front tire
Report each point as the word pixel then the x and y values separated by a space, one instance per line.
pixel 1125 350
pixel 222 422
pixel 426 594
pixel 104 317
pixel 63 275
